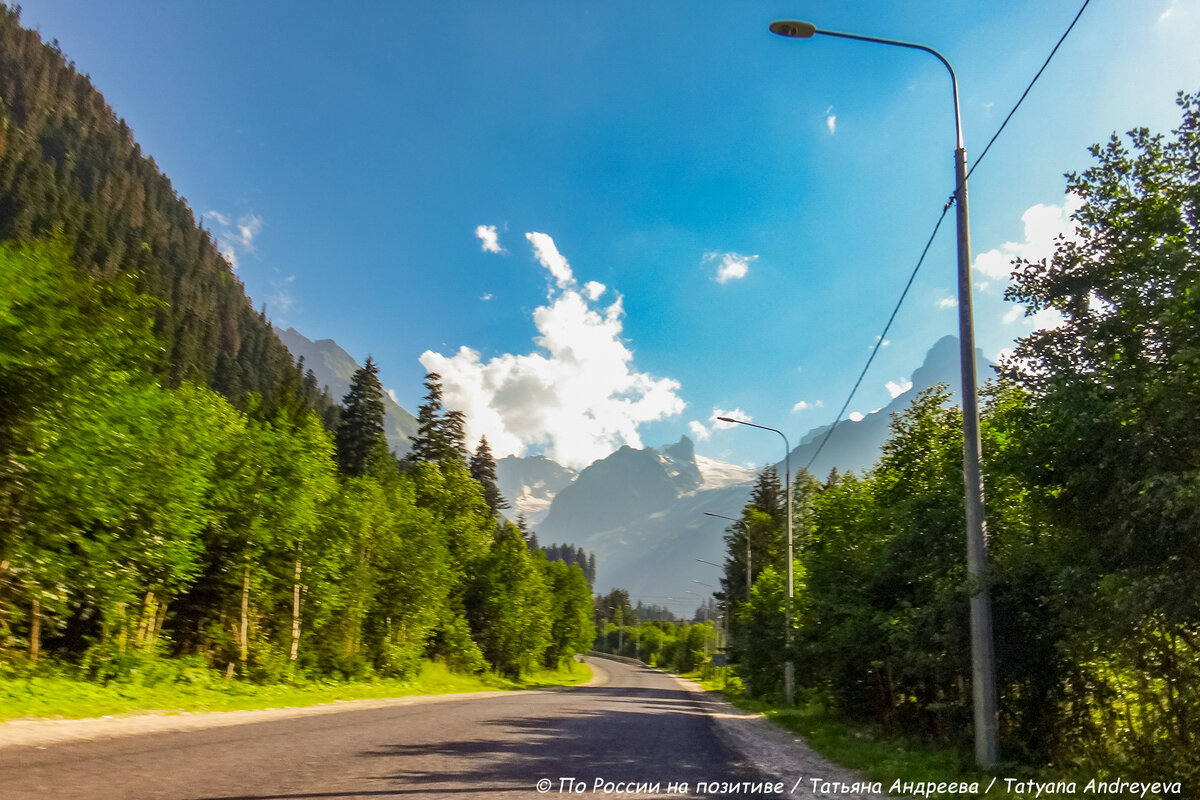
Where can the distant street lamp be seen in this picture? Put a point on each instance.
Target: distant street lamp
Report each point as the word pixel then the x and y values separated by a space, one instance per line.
pixel 789 667
pixel 983 682
pixel 745 528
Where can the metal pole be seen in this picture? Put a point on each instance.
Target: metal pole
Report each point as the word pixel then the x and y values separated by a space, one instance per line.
pixel 789 666
pixel 983 681
pixel 983 685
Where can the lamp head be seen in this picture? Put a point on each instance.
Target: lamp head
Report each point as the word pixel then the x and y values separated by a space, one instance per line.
pixel 793 28
pixel 727 419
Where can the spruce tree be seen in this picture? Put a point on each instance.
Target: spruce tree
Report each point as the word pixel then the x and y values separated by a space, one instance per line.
pixel 360 429
pixel 768 495
pixel 454 434
pixel 483 469
pixel 430 442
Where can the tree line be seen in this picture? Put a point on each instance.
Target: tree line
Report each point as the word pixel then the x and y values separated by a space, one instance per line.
pixel 1091 436
pixel 652 634
pixel 138 518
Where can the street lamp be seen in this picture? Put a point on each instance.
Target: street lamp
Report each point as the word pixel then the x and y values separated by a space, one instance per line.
pixel 745 528
pixel 789 667
pixel 983 684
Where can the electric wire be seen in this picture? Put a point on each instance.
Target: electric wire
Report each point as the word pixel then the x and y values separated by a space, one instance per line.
pixel 882 338
pixel 903 294
pixel 1024 94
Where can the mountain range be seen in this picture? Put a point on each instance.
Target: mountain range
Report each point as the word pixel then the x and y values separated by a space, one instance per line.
pixel 642 511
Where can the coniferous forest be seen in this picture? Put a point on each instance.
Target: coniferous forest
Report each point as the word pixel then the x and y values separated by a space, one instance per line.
pixel 172 483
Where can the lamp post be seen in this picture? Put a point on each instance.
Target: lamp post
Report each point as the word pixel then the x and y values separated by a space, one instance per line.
pixel 745 528
pixel 789 667
pixel 983 684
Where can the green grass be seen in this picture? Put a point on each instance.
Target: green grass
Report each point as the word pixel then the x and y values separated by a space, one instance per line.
pixel 52 696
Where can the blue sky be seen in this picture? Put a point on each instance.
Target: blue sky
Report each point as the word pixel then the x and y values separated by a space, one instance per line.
pixel 689 213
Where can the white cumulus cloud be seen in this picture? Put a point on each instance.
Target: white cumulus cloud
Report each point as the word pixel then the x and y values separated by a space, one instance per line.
pixel 732 266
pixel 804 405
pixel 856 416
pixel 1043 225
pixel 489 238
pixel 947 302
pixel 698 430
pixel 830 121
pixel 548 256
pixel 576 397
pixel 897 388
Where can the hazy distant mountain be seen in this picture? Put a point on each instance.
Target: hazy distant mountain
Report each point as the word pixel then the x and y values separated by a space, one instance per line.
pixel 642 511
pixel 530 483
pixel 334 368
pixel 626 486
pixel 855 445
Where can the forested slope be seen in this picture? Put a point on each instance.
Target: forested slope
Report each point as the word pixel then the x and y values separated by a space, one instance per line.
pixel 68 163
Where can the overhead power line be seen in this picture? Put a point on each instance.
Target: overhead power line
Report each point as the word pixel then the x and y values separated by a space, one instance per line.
pixel 882 337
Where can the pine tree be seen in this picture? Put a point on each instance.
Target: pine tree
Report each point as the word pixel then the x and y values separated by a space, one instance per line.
pixel 360 428
pixel 483 469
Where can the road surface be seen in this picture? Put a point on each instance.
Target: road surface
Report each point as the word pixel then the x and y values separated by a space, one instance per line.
pixel 640 727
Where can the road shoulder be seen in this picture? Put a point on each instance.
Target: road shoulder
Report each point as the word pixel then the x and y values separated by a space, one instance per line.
pixel 776 752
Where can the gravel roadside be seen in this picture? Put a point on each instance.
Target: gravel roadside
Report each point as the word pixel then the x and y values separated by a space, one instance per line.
pixel 778 753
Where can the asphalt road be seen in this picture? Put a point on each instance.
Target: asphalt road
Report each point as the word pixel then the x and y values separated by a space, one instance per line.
pixel 641 726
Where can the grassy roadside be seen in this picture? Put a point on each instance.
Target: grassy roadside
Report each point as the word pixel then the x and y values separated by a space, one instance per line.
pixel 66 698
pixel 878 757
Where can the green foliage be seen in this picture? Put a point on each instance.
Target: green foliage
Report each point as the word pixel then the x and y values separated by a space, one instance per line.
pixel 509 605
pixel 571 627
pixel 1092 476
pixel 1111 429
pixel 439 436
